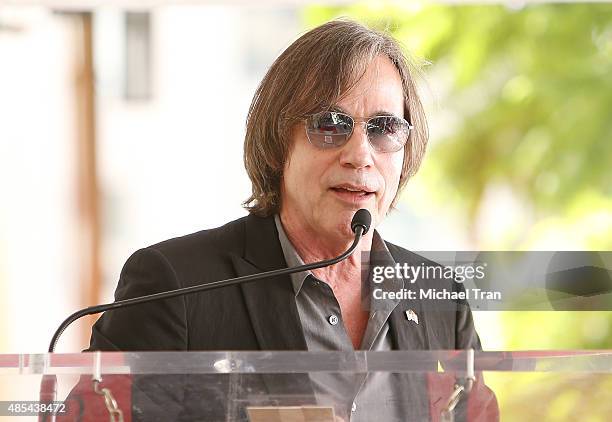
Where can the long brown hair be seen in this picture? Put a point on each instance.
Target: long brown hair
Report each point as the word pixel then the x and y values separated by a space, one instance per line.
pixel 311 75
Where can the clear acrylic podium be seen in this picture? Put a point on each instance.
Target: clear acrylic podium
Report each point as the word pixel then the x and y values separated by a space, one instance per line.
pixel 310 386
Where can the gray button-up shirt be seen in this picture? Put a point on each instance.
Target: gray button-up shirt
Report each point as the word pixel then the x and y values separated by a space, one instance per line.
pixel 373 396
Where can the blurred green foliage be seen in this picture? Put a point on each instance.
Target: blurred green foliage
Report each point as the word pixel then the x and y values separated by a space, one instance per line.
pixel 530 97
pixel 527 95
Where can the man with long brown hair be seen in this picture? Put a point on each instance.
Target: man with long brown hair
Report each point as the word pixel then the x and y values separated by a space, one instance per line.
pixel 335 126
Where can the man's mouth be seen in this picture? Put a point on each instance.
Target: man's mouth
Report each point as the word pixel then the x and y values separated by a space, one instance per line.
pixel 359 191
pixel 353 193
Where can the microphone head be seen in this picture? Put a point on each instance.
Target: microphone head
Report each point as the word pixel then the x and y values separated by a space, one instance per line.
pixel 362 218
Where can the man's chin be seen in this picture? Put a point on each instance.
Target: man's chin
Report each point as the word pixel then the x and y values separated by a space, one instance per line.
pixel 342 224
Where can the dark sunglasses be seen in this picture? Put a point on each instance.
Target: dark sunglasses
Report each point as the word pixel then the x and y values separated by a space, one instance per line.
pixel 331 129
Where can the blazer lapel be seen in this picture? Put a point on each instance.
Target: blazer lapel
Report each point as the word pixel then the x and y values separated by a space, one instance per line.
pixel 408 333
pixel 270 302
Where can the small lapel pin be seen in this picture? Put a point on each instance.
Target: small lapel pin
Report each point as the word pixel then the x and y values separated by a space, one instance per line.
pixel 412 316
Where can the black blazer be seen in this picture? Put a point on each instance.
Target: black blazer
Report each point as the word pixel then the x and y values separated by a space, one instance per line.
pixel 260 315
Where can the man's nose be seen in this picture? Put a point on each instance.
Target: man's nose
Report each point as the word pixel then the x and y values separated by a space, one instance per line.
pixel 357 152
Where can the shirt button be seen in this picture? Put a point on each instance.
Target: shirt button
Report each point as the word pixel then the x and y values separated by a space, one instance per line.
pixel 333 319
pixel 353 407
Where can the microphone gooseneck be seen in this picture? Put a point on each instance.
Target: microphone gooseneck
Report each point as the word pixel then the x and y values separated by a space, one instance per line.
pixel 360 224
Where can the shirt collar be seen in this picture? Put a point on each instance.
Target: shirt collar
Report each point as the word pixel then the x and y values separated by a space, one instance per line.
pixel 291 256
pixel 293 259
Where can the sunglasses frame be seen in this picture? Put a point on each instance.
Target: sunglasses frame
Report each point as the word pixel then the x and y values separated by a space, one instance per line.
pixel 357 120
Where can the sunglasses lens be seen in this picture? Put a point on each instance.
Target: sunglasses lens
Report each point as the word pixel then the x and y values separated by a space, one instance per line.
pixel 329 129
pixel 388 133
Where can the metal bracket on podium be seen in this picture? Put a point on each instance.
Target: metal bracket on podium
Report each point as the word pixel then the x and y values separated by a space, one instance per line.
pixel 447 414
pixel 116 415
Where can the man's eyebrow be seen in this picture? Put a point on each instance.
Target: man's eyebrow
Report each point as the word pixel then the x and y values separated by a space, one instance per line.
pixel 339 109
pixel 383 113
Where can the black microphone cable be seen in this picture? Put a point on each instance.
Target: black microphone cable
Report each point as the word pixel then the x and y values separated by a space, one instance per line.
pixel 360 224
